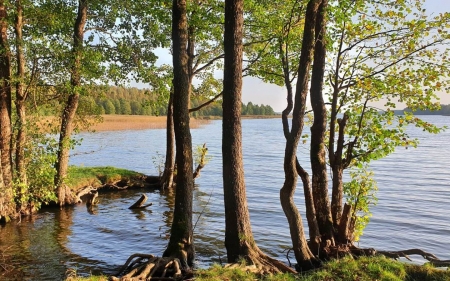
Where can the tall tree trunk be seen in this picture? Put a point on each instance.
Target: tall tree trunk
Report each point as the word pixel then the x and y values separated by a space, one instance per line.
pixel 20 97
pixel 68 116
pixel 317 154
pixel 5 99
pixel 338 169
pixel 7 206
pixel 303 255
pixel 169 166
pixel 181 244
pixel 239 240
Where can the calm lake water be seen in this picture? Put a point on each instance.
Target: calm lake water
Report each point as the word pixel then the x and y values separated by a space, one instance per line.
pixel 412 211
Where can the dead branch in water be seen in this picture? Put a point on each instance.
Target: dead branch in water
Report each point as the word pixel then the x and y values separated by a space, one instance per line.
pixel 140 203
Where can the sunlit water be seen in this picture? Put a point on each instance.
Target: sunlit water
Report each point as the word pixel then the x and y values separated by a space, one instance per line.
pixel 412 211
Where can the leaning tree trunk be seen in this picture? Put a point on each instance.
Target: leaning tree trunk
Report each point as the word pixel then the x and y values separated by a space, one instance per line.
pixel 317 153
pixel 303 255
pixel 7 206
pixel 20 98
pixel 239 240
pixel 181 241
pixel 65 195
pixel 169 165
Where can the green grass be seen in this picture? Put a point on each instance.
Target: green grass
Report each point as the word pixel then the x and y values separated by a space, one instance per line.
pixel 96 176
pixel 347 269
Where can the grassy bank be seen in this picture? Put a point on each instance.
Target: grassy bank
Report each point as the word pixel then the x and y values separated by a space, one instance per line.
pixel 80 177
pixel 363 269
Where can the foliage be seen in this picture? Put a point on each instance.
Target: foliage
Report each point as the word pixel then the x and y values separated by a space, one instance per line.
pixel 360 193
pixel 40 174
pixel 200 155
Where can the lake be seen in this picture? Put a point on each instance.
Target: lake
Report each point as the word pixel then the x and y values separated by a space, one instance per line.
pixel 412 211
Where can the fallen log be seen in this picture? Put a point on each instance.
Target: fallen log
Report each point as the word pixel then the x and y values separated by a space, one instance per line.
pixel 140 203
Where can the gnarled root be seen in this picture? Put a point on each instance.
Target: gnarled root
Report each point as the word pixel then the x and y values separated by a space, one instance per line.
pixel 149 267
pixel 432 259
pixel 259 263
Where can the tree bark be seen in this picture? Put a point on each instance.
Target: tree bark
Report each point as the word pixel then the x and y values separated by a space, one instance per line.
pixel 181 241
pixel 239 240
pixel 20 97
pixel 303 255
pixel 68 116
pixel 5 99
pixel 317 154
pixel 7 206
pixel 169 166
pixel 338 169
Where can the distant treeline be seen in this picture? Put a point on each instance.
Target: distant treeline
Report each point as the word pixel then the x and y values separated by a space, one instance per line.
pixel 445 110
pixel 134 101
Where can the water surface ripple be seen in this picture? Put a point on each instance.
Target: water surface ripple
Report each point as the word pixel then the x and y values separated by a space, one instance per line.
pixel 412 211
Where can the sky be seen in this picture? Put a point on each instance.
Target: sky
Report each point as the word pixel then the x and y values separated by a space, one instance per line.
pixel 258 92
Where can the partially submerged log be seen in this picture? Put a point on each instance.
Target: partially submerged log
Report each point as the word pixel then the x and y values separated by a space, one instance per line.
pixel 140 203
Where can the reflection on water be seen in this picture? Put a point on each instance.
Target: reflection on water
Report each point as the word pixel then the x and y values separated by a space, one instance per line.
pixel 414 202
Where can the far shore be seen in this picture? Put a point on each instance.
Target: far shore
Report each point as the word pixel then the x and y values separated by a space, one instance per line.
pixel 136 122
pixel 141 122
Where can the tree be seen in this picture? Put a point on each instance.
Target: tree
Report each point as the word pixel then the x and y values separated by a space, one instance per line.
pixel 68 116
pixel 239 240
pixel 181 239
pixel 21 96
pixel 378 56
pixel 7 206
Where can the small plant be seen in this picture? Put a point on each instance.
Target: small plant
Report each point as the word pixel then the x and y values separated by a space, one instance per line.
pixel 201 157
pixel 360 192
pixel 158 162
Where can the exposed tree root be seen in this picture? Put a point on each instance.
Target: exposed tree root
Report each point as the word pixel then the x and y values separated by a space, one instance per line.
pixel 150 267
pixel 346 249
pixel 88 194
pixel 259 263
pixel 432 259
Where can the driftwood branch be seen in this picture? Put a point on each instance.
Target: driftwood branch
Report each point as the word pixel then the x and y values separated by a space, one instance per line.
pixel 140 203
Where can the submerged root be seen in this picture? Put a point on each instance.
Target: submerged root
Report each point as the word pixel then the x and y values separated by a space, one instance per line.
pixel 149 267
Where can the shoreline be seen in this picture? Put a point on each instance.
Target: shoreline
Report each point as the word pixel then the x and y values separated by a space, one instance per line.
pixel 142 122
